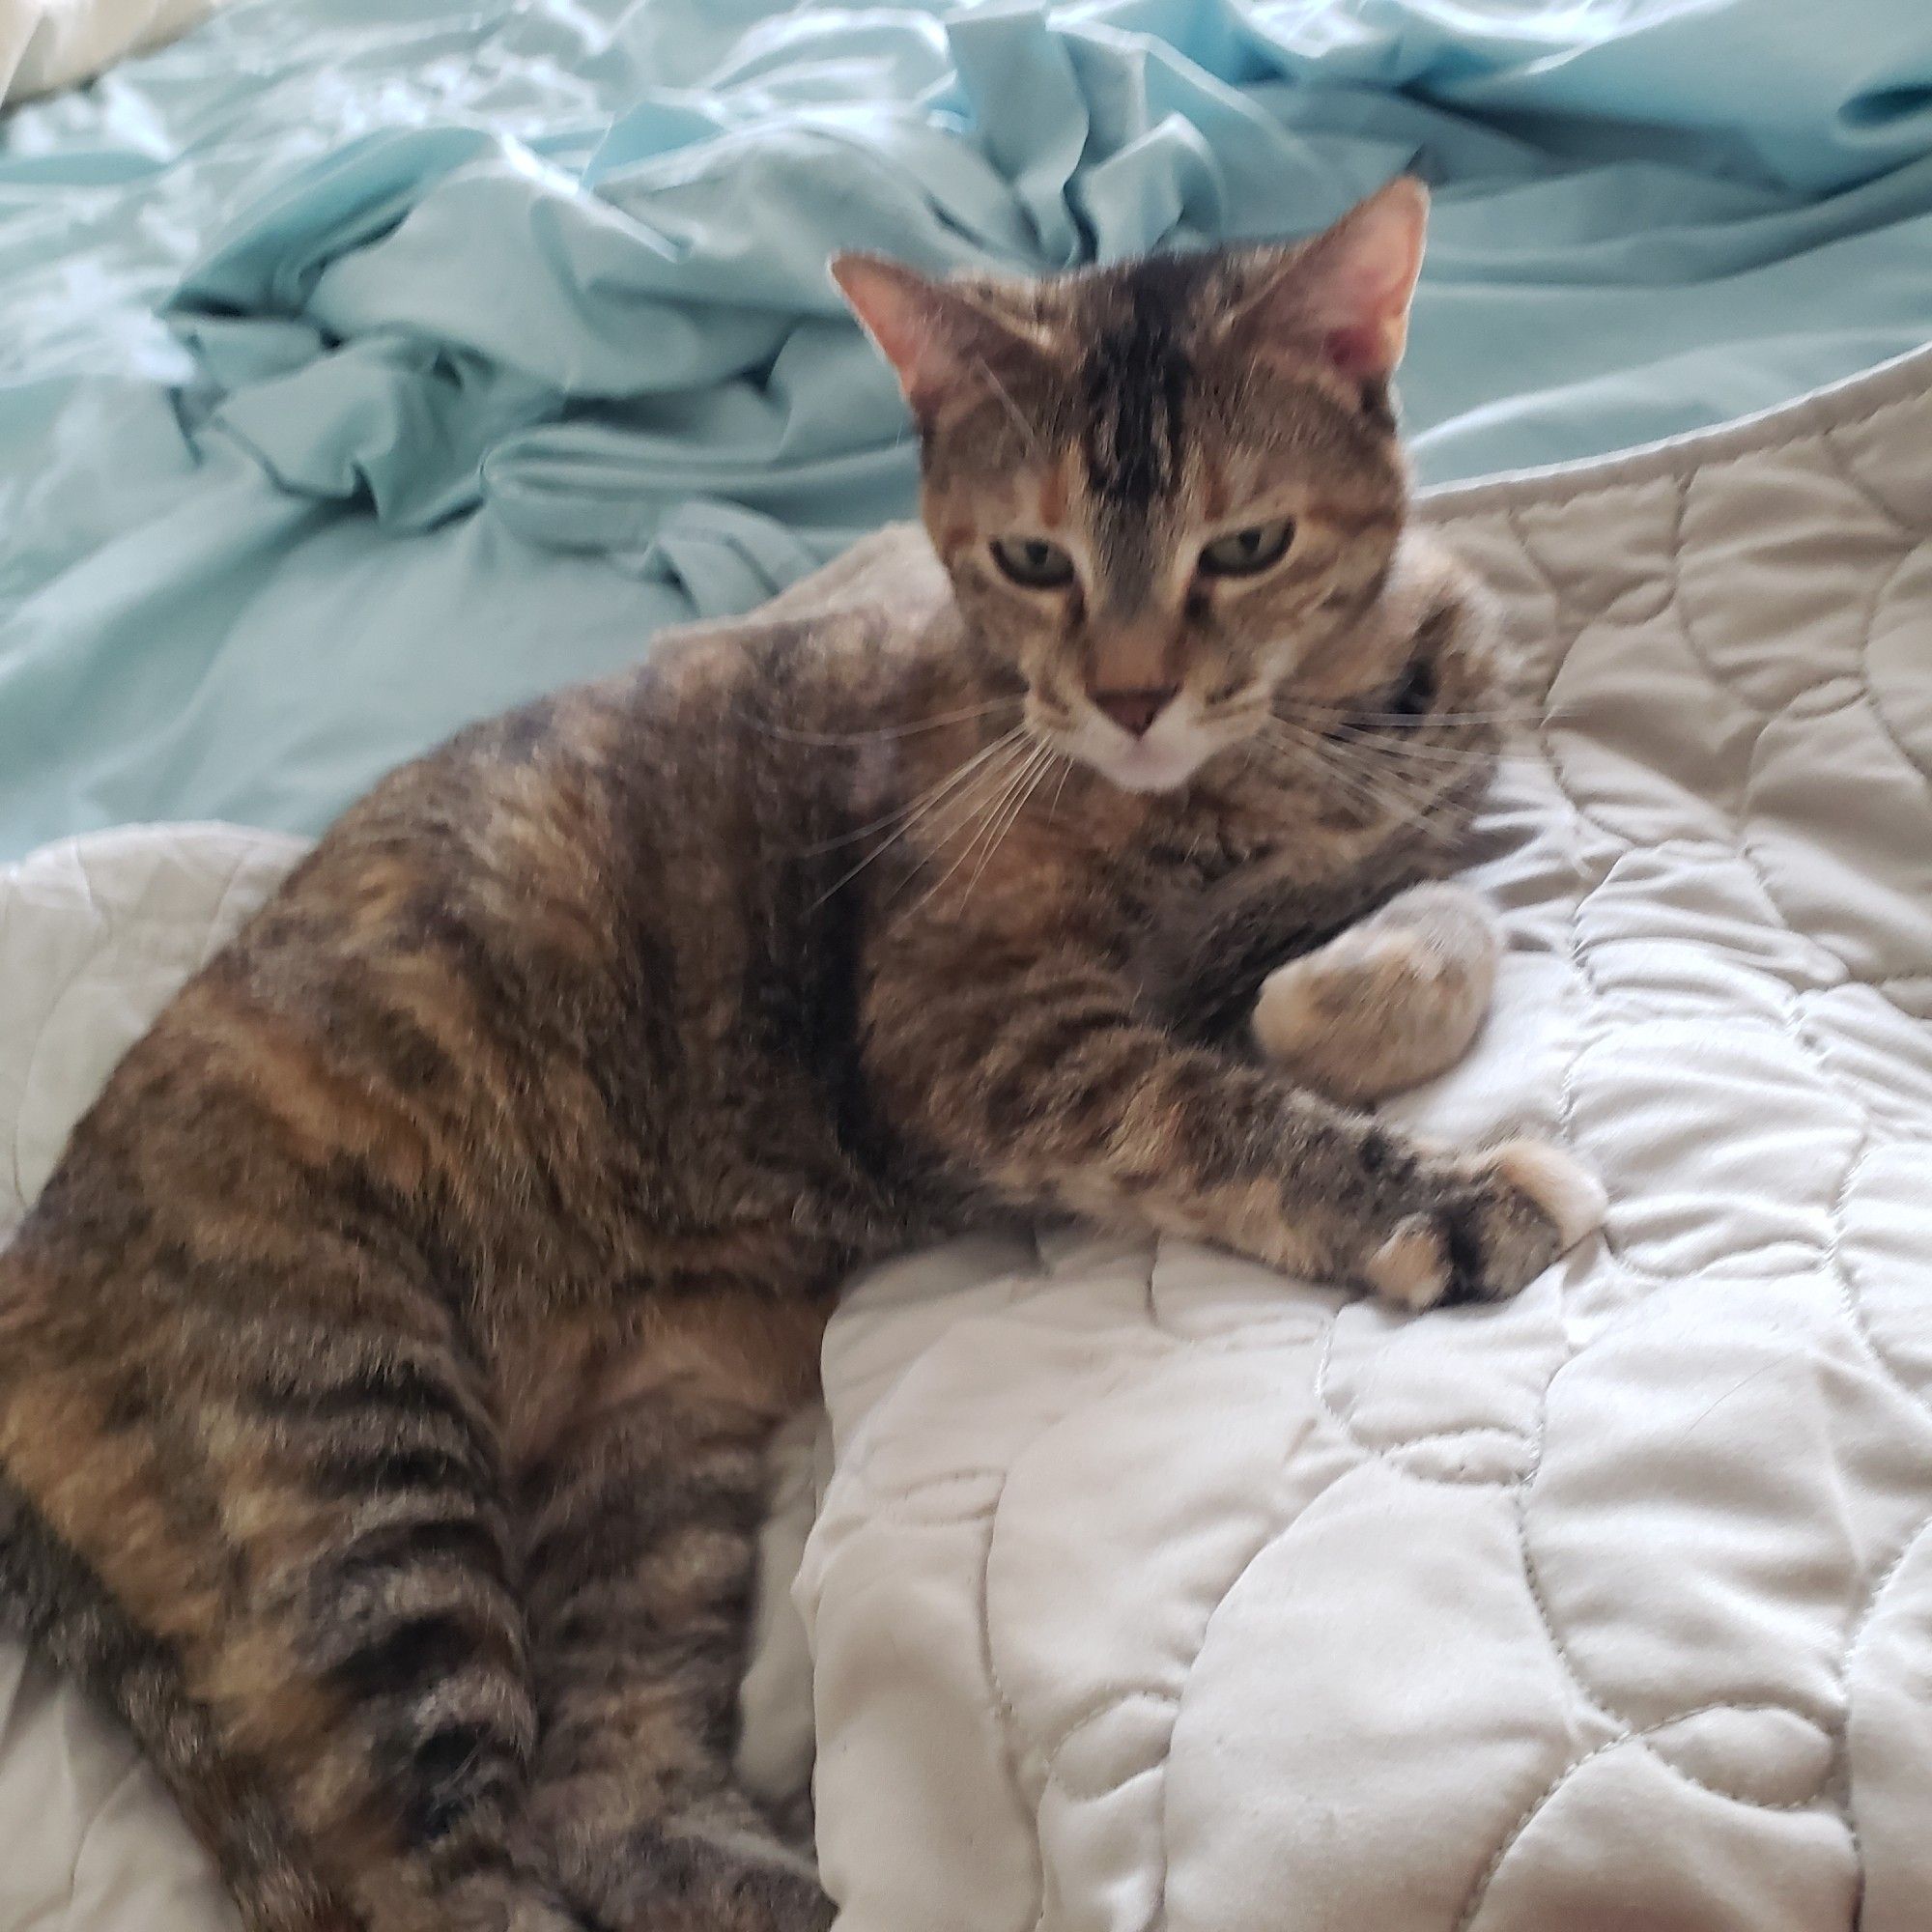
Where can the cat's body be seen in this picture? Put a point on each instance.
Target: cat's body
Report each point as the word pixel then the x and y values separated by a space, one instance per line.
pixel 385 1371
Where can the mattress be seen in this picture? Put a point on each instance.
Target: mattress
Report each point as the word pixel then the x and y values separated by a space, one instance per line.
pixel 369 366
pixel 1141 1587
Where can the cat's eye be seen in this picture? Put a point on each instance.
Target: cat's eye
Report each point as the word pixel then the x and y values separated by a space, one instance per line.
pixel 1249 552
pixel 1034 561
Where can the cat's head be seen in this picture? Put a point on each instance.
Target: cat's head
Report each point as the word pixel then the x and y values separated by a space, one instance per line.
pixel 1161 488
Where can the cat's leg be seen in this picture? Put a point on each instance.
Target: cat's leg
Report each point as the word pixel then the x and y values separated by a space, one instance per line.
pixel 641 1513
pixel 272 1534
pixel 1038 1073
pixel 1388 1002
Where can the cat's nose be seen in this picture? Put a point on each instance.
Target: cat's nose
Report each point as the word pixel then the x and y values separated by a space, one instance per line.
pixel 1134 711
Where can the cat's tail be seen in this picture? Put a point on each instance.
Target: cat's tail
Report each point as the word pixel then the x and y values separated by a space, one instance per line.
pixel 51 1601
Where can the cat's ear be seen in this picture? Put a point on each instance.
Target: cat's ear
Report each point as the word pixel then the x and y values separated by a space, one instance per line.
pixel 943 341
pixel 1346 292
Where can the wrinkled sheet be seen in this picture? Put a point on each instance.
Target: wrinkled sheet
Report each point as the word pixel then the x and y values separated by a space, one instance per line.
pixel 498 333
pixel 1152 1589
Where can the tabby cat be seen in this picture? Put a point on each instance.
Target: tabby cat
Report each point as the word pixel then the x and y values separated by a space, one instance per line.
pixel 387 1371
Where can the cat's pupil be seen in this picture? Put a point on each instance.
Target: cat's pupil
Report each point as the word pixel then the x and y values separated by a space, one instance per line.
pixel 1250 551
pixel 1037 562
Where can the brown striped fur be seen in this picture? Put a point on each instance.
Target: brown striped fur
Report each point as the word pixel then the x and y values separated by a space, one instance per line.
pixel 386 1370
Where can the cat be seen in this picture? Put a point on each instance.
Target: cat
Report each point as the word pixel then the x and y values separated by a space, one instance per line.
pixel 388 1367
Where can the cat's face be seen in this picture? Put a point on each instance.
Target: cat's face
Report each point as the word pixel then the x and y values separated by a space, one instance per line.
pixel 1161 489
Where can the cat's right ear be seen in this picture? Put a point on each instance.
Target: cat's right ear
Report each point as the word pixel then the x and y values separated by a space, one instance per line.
pixel 1345 291
pixel 942 343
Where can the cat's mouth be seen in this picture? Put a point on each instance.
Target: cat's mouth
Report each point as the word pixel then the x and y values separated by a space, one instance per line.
pixel 1142 766
pixel 1163 757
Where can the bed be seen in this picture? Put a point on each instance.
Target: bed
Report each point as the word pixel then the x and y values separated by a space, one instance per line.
pixel 366 369
pixel 1136 1585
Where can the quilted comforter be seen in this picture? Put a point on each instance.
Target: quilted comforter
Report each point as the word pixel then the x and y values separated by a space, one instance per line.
pixel 1143 1587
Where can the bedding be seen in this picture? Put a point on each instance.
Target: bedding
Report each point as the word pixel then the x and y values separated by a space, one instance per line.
pixel 1143 1586
pixel 50 43
pixel 1152 1589
pixel 366 365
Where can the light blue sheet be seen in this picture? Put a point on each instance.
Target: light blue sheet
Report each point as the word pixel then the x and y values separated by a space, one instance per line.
pixel 502 336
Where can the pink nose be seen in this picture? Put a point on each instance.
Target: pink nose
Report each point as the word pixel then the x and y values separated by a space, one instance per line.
pixel 1133 711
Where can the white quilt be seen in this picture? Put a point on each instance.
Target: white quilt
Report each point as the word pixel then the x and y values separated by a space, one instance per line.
pixel 1147 1588
pixel 46 44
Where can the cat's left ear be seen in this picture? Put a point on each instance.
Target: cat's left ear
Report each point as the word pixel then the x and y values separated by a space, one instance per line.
pixel 1346 292
pixel 943 342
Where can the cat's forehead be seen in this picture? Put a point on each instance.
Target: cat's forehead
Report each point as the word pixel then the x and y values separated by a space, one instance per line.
pixel 1139 413
pixel 1153 384
pixel 1137 334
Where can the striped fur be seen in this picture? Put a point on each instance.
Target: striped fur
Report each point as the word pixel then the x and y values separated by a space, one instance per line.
pixel 386 1370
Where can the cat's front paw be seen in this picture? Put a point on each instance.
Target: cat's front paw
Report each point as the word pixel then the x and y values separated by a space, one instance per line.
pixel 1496 1222
pixel 1387 1004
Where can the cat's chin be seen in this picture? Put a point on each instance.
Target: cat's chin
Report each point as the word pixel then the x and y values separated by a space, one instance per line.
pixel 1143 767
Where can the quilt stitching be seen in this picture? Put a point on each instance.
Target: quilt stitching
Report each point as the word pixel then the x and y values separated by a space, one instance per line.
pixel 1601 1010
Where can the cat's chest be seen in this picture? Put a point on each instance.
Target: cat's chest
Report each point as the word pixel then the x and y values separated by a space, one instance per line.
pixel 1196 853
pixel 1191 863
pixel 1199 843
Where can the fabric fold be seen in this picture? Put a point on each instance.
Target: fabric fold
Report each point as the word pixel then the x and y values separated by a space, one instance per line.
pixel 514 296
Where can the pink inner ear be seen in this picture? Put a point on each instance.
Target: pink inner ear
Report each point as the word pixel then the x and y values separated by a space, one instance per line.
pixel 1362 274
pixel 1358 349
pixel 905 316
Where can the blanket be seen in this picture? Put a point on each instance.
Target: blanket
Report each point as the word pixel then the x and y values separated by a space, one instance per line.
pixel 1153 1590
pixel 1143 1586
pixel 368 365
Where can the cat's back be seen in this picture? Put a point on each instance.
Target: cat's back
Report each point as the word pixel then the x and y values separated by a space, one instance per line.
pixel 532 977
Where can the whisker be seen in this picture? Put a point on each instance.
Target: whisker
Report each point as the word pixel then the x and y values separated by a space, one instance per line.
pixel 985 815
pixel 1375 745
pixel 993 828
pixel 792 734
pixel 948 791
pixel 1348 714
pixel 917 806
pixel 1377 790
pixel 1030 775
pixel 1392 754
pixel 1065 773
pixel 950 816
pixel 986 790
pixel 1374 762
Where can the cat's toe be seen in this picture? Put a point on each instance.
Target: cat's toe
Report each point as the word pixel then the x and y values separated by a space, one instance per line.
pixel 1531 1203
pixel 1344 1018
pixel 1414 1266
pixel 1383 1006
pixel 1493 1226
pixel 1569 1194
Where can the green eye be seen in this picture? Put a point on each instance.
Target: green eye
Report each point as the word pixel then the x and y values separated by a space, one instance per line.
pixel 1246 553
pixel 1033 561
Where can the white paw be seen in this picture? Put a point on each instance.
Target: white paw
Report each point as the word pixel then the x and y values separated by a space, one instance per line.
pixel 1411 1267
pixel 1558 1183
pixel 1288 1009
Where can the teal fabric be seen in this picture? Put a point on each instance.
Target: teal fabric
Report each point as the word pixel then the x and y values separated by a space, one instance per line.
pixel 366 365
